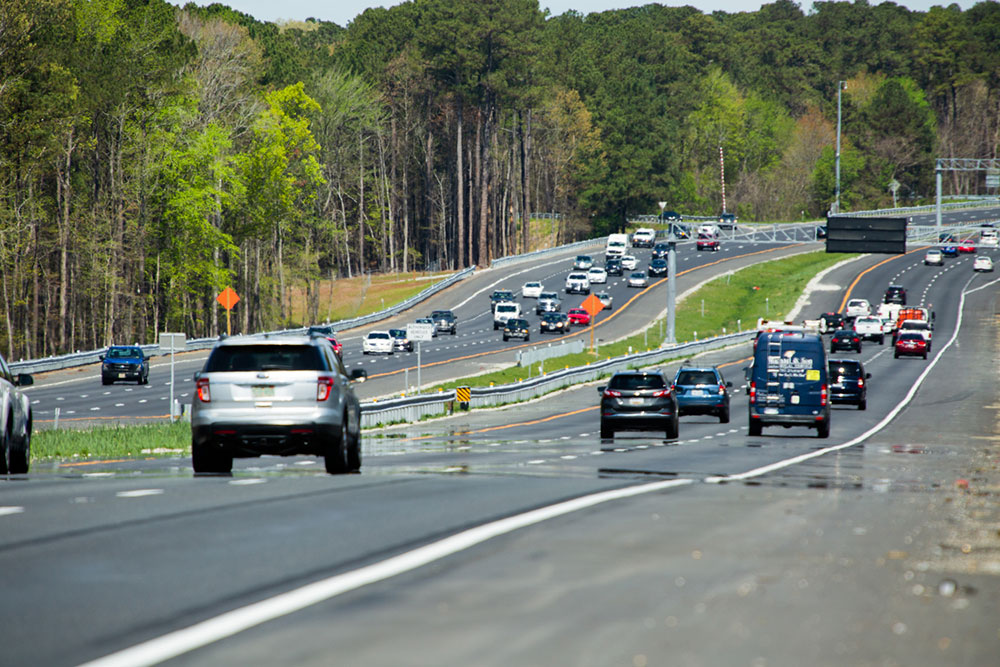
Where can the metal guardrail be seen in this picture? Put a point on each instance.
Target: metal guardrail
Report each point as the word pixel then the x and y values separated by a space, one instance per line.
pixel 514 259
pixel 92 356
pixel 533 355
pixel 930 208
pixel 412 409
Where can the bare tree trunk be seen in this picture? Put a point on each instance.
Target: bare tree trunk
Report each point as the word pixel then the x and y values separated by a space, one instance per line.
pixel 361 204
pixel 525 170
pixel 483 256
pixel 460 192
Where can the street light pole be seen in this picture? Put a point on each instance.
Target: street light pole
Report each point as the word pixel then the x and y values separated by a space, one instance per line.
pixel 671 280
pixel 836 203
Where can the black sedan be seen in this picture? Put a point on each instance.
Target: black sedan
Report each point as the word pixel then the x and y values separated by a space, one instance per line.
pixel 658 267
pixel 845 339
pixel 516 328
pixel 848 382
pixel 554 323
pixel 638 401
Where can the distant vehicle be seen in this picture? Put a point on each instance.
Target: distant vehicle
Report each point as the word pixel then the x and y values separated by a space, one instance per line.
pixel 577 283
pixel 933 257
pixel 830 322
pixel 982 263
pixel 15 421
pixel 949 250
pixel 915 313
pixel 789 383
pixel 516 327
pixel 505 311
pixel 531 289
pixel 578 317
pixel 967 246
pixel 660 251
pixel 605 299
pixel 548 302
pixel 284 395
pixel 679 231
pixel 583 262
pixel 124 362
pixel 613 266
pixel 709 228
pixel 638 279
pixel 845 339
pixel 702 391
pixel 643 238
pixel 500 295
pixel 858 308
pixel 553 323
pixel 820 232
pixel 895 294
pixel 849 382
pixel 672 216
pixel 445 321
pixel 629 262
pixel 327 331
pixel 427 320
pixel 401 340
pixel 989 238
pixel 869 328
pixel 922 327
pixel 727 221
pixel 708 241
pixel 946 237
pixel 911 344
pixel 378 342
pixel 597 275
pixel 638 401
pixel 617 246
pixel 658 267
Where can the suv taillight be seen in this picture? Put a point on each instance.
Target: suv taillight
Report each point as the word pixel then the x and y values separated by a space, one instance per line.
pixel 753 393
pixel 204 395
pixel 611 393
pixel 822 394
pixel 324 385
pixel 662 393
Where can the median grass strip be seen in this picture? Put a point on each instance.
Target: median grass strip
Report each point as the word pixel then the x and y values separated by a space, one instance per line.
pixel 769 290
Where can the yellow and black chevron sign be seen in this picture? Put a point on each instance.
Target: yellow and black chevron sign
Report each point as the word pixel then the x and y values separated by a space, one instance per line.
pixel 463 394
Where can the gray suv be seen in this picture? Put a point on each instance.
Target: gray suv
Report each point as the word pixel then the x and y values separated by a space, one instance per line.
pixel 284 396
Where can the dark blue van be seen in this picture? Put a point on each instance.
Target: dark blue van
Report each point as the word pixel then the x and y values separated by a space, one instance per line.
pixel 788 383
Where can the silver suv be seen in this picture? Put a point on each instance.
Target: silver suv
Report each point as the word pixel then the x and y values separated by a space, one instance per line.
pixel 284 396
pixel 15 421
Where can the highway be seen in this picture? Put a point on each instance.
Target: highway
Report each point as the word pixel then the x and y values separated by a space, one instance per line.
pixel 517 536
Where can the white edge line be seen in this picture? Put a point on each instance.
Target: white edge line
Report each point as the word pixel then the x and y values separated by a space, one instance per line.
pixel 757 472
pixel 230 623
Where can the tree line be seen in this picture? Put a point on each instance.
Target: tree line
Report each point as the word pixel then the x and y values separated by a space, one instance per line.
pixel 151 155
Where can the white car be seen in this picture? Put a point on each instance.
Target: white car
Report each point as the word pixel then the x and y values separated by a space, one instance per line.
pixel 577 282
pixel 606 300
pixel 934 257
pixel 583 262
pixel 858 308
pixel 505 310
pixel 629 262
pixel 638 279
pixel 531 290
pixel 378 342
pixel 982 263
pixel 427 320
pixel 643 238
pixel 597 274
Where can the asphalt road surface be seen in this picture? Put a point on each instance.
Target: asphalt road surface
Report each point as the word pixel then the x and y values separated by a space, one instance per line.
pixel 518 536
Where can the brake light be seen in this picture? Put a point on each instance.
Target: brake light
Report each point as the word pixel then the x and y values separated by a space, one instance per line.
pixel 324 385
pixel 861 382
pixel 611 393
pixel 753 392
pixel 662 393
pixel 722 389
pixel 822 394
pixel 855 339
pixel 204 395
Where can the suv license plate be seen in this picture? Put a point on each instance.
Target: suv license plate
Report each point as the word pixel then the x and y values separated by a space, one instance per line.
pixel 770 411
pixel 636 401
pixel 262 390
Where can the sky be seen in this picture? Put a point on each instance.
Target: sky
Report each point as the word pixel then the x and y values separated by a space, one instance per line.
pixel 343 11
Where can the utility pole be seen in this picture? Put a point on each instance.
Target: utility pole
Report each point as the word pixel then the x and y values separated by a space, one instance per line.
pixel 841 85
pixel 670 339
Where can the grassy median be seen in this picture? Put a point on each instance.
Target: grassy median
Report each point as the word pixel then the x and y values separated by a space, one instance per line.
pixel 763 290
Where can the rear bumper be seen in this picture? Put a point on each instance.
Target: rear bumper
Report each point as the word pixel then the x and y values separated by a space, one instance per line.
pixel 790 419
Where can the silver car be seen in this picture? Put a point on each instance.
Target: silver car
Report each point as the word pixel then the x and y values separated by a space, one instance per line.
pixel 282 396
pixel 15 422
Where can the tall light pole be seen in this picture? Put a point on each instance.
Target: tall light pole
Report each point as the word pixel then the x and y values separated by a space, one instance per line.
pixel 671 280
pixel 841 85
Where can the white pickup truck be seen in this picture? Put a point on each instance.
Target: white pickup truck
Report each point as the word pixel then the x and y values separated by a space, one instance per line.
pixel 870 328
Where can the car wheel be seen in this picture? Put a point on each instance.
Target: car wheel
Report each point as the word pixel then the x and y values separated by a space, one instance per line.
pixel 364 352
pixel 881 340
pixel 823 430
pixel 895 355
pixel 335 458
pixel 755 428
pixel 925 355
pixel 724 415
pixel 19 453
pixel 5 448
pixel 863 405
pixel 527 337
pixel 105 381
pixel 674 428
pixel 207 459
pixel 353 451
pixel 607 432
pixel 505 339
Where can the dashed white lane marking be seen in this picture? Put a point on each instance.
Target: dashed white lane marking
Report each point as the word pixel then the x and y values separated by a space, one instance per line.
pixel 536 462
pixel 139 493
pixel 10 509
pixel 568 457
pixel 119 405
pixel 248 482
pixel 143 400
pixel 94 409
pixel 96 475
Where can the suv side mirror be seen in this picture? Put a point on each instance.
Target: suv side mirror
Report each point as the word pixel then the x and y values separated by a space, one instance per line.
pixel 23 380
pixel 100 357
pixel 600 390
pixel 359 375
pixel 868 376
pixel 729 384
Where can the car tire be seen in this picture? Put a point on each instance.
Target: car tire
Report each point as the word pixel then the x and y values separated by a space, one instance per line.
pixel 335 457
pixel 863 405
pixel 353 451
pixel 755 428
pixel 505 338
pixel 364 352
pixel 674 428
pixel 19 453
pixel 607 431
pixel 925 355
pixel 206 459
pixel 881 340
pixel 527 337
pixel 895 355
pixel 5 447
pixel 724 415
pixel 105 381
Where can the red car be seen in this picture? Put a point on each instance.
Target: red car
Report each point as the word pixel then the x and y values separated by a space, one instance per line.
pixel 967 245
pixel 911 345
pixel 578 316
pixel 337 347
pixel 708 242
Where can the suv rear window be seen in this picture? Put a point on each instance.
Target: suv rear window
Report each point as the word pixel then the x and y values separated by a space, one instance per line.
pixel 696 377
pixel 636 381
pixel 851 369
pixel 265 358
